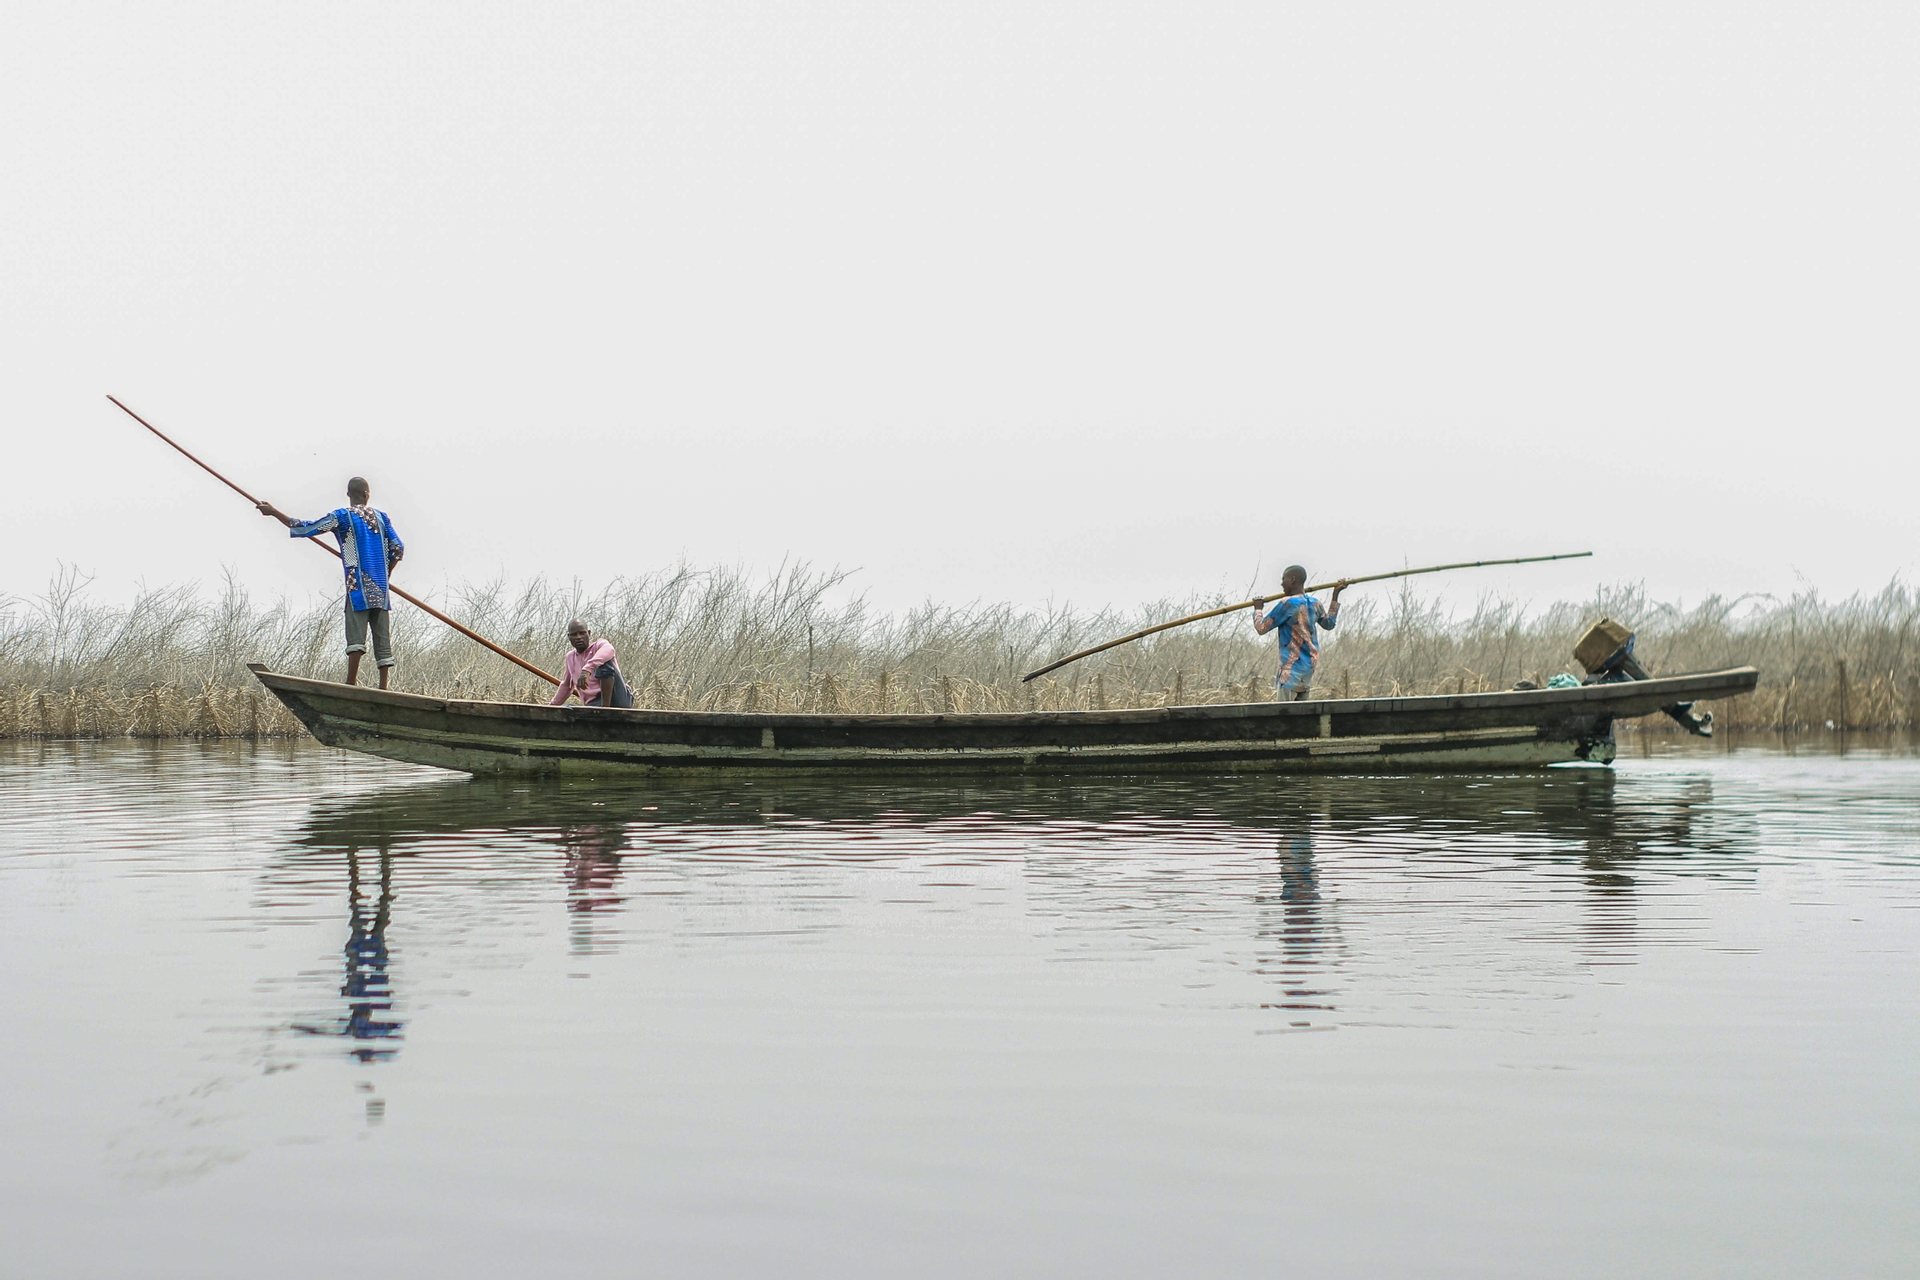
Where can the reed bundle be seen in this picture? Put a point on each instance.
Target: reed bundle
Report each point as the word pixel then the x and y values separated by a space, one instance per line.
pixel 172 662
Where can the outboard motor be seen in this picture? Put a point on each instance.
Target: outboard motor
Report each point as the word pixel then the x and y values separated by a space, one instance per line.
pixel 1606 651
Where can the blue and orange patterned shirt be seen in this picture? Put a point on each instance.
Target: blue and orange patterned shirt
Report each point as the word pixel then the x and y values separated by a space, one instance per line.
pixel 368 549
pixel 1294 619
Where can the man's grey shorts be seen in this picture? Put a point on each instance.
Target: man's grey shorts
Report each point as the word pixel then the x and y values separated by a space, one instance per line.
pixel 359 622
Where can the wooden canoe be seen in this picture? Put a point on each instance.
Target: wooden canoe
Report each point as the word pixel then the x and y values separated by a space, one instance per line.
pixel 1508 730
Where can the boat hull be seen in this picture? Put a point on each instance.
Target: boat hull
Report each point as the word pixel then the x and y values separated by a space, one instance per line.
pixel 1509 730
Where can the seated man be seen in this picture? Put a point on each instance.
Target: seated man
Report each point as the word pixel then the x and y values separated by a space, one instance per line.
pixel 1295 617
pixel 591 672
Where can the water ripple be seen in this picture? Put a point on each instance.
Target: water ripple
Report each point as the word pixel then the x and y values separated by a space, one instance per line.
pixel 244 912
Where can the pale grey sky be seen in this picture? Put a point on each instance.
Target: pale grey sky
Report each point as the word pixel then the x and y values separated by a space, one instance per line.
pixel 1093 303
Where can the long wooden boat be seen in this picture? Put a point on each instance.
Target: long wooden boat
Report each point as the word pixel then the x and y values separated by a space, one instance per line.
pixel 1514 729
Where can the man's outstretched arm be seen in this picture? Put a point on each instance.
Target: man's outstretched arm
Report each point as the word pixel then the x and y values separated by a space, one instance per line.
pixel 299 528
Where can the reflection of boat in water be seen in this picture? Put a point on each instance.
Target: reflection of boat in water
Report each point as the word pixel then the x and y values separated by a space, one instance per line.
pixel 1569 809
pixel 1505 730
pixel 1314 864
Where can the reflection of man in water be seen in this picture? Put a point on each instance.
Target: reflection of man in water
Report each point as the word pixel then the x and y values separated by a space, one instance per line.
pixel 367 989
pixel 1300 889
pixel 1302 932
pixel 593 865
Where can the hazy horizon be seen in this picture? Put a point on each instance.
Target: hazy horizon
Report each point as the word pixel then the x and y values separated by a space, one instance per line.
pixel 1085 304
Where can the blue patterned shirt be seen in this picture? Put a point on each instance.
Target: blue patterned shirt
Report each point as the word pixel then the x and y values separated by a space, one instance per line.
pixel 368 549
pixel 1294 618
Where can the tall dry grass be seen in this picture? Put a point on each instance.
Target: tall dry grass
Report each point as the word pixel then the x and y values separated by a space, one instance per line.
pixel 172 663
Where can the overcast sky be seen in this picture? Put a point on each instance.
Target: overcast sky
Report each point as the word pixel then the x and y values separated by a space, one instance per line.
pixel 1085 303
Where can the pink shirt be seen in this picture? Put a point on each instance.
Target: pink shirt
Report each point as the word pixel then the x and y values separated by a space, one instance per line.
pixel 581 666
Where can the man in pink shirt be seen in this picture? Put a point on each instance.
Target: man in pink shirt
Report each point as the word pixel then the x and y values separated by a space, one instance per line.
pixel 591 672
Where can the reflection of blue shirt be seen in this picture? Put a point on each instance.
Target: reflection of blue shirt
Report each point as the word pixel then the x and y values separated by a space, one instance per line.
pixel 368 548
pixel 1294 619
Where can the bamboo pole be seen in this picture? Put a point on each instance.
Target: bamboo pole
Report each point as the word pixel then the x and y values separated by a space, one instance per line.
pixel 1257 601
pixel 474 636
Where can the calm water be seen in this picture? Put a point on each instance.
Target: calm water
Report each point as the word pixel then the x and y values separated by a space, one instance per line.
pixel 284 1012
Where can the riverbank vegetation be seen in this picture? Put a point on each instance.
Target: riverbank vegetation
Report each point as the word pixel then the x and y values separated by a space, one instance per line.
pixel 173 661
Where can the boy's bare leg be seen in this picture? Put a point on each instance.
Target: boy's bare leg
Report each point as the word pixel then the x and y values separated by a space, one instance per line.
pixel 353 669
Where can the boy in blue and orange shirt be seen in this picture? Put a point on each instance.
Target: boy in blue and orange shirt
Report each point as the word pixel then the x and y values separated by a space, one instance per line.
pixel 1296 616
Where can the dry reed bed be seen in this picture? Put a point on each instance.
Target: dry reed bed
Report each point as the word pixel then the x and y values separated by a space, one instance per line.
pixel 172 663
pixel 160 711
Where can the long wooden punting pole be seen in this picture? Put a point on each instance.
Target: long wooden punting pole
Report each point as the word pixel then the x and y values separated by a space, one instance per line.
pixel 474 636
pixel 1260 600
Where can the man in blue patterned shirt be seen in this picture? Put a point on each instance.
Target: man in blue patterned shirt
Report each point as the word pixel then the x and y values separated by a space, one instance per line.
pixel 369 548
